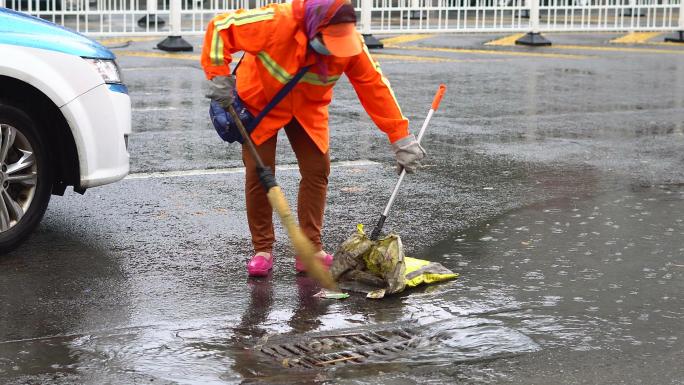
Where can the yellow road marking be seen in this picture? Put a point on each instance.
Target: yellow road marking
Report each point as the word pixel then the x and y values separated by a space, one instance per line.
pixel 182 56
pixel 433 59
pixel 489 52
pixel 196 57
pixel 405 38
pixel 618 49
pixel 635 37
pixel 387 56
pixel 412 57
pixel 123 40
pixel 666 43
pixel 506 41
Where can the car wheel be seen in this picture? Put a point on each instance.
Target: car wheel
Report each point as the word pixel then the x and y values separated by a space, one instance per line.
pixel 25 177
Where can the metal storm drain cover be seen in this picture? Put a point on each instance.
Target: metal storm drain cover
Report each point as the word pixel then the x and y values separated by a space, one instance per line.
pixel 339 349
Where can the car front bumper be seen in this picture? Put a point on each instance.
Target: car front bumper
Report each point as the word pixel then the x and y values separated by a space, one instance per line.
pixel 100 122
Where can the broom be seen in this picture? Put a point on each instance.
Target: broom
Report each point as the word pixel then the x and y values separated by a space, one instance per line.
pixel 301 244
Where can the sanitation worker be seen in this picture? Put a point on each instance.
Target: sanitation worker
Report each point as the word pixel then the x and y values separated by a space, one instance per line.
pixel 278 40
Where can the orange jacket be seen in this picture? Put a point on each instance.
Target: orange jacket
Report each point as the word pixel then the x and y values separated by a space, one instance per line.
pixel 275 48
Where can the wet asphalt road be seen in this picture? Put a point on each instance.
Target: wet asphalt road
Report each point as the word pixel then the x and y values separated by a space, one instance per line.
pixel 554 187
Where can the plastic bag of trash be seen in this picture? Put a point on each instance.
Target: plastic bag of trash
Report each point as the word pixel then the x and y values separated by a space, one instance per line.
pixel 380 267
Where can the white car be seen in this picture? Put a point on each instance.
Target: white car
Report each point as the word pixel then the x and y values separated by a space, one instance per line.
pixel 65 117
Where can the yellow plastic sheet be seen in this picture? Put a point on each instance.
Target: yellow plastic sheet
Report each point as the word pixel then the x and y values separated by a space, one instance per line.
pixel 419 271
pixel 380 267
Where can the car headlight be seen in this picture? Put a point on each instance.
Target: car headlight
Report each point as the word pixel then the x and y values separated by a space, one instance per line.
pixel 108 69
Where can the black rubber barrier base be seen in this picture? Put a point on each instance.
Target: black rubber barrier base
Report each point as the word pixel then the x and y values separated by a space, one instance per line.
pixel 372 42
pixel 678 37
pixel 533 39
pixel 151 20
pixel 174 44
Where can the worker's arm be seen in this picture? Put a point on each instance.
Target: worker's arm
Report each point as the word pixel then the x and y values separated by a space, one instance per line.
pixel 231 32
pixel 376 96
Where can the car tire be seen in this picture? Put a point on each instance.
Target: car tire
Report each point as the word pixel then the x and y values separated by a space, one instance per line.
pixel 25 176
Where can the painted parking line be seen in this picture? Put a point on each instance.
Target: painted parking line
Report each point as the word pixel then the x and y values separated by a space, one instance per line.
pixel 159 55
pixel 505 41
pixel 386 57
pixel 405 38
pixel 636 38
pixel 616 49
pixel 488 52
pixel 633 38
pixel 630 38
pixel 196 57
pixel 417 58
pixel 161 68
pixel 124 40
pixel 666 43
pixel 397 57
pixel 238 170
pixel 152 109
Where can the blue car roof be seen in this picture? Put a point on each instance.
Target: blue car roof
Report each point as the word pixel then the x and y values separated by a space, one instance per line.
pixel 20 29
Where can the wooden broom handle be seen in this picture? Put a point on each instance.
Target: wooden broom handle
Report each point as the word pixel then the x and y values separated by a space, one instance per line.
pixel 301 244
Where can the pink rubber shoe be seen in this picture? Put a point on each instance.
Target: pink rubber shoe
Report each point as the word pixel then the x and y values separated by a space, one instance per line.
pixel 259 266
pixel 327 262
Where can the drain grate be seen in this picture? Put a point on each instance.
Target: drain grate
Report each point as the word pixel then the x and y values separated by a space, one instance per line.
pixel 340 349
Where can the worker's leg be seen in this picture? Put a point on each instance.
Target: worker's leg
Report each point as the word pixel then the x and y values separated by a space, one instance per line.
pixel 259 211
pixel 314 168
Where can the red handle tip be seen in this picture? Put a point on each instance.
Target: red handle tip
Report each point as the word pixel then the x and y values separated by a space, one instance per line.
pixel 438 97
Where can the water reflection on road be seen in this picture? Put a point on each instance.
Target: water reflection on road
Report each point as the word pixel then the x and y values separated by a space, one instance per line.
pixel 580 273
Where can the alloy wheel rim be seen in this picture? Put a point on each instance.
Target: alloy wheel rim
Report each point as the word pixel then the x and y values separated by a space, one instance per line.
pixel 18 176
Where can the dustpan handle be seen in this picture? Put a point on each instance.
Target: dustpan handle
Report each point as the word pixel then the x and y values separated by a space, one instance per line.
pixel 381 221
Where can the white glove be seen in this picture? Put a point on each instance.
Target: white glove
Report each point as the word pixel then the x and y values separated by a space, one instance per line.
pixel 221 89
pixel 408 153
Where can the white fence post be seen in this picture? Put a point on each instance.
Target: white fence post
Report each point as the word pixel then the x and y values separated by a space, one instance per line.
pixel 533 38
pixel 2 3
pixel 366 6
pixel 679 34
pixel 534 16
pixel 174 42
pixel 175 17
pixel 366 17
pixel 376 17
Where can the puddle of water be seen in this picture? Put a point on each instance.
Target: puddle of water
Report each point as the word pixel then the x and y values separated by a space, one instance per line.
pixel 603 273
pixel 580 274
pixel 194 353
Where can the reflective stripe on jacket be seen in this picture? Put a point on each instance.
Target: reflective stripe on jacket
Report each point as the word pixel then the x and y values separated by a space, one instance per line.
pixel 275 48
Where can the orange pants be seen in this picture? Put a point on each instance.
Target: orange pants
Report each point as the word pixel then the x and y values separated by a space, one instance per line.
pixel 314 168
